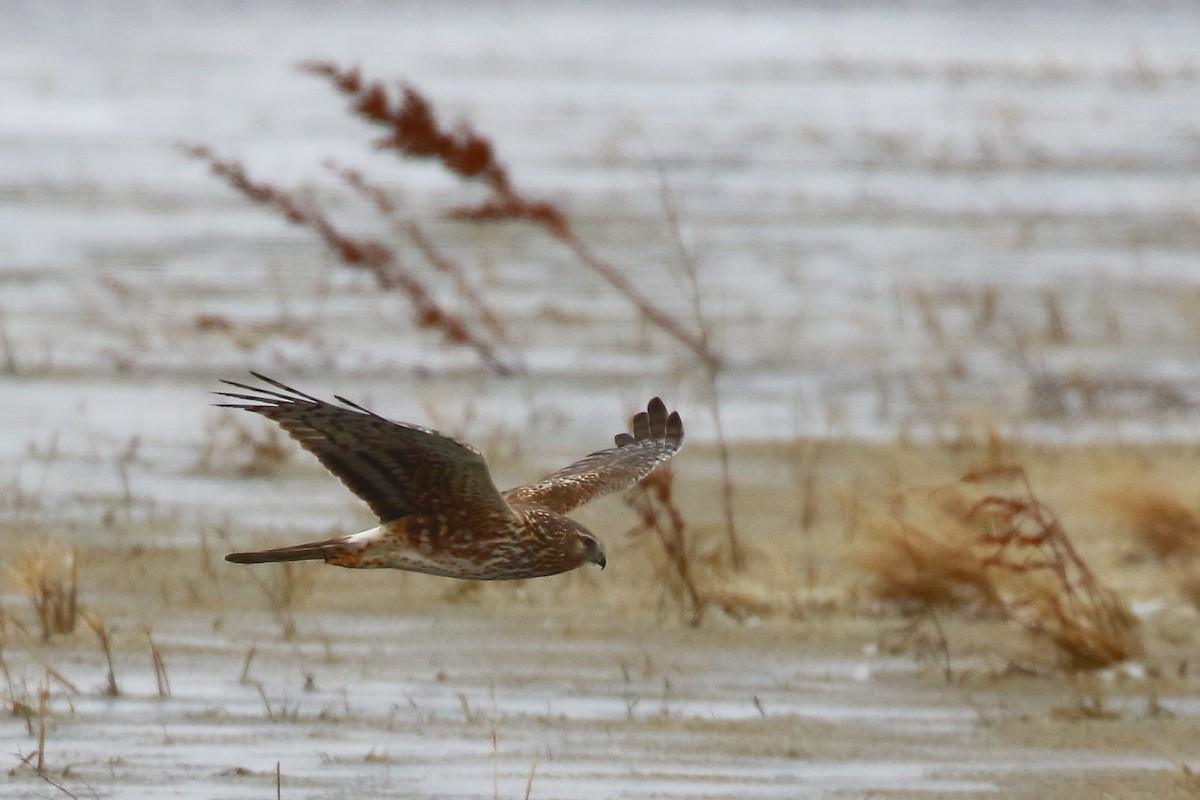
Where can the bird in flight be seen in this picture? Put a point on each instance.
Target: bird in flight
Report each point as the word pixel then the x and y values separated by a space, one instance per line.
pixel 438 509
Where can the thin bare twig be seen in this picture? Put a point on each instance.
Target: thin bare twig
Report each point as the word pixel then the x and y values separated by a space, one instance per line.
pixel 712 368
pixel 652 500
pixel 58 786
pixel 529 783
pixel 648 311
pixel 54 674
pixel 416 235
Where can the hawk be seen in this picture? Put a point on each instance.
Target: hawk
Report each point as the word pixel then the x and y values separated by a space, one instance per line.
pixel 439 511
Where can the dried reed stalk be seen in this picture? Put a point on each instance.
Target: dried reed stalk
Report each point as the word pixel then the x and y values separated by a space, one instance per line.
pixel 99 627
pixel 712 371
pixel 529 783
pixel 1056 326
pixel 642 304
pixel 160 668
pixel 652 499
pixel 413 131
pixel 43 708
pixel 244 678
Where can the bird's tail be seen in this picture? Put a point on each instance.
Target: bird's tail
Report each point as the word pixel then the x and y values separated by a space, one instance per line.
pixel 310 551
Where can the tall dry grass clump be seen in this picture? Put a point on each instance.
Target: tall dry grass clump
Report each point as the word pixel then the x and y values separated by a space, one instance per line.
pixel 1166 531
pixel 1004 553
pixel 51 581
pixel 1162 526
pixel 918 571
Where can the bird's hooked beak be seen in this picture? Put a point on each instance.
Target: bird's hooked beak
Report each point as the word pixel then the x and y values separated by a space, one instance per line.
pixel 592 550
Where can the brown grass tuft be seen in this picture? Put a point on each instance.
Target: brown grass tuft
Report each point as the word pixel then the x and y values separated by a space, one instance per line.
pixel 1164 528
pixel 1087 632
pixel 51 580
pixel 917 571
pixel 1007 552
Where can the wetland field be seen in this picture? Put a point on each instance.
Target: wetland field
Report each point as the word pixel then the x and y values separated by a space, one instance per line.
pixel 923 281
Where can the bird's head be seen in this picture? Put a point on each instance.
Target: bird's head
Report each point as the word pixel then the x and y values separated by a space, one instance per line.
pixel 559 543
pixel 592 550
pixel 582 546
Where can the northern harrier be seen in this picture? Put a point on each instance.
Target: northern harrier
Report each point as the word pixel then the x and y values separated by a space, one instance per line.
pixel 439 511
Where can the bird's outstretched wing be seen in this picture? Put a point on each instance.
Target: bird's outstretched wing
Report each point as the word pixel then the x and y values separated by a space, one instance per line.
pixel 656 437
pixel 397 468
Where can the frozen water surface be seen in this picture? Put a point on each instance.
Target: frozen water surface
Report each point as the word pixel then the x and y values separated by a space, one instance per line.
pixel 427 712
